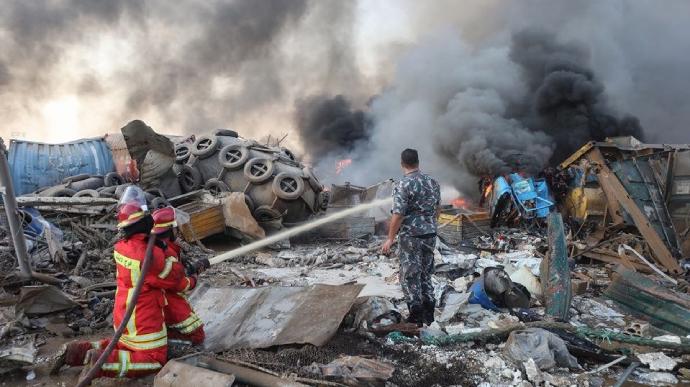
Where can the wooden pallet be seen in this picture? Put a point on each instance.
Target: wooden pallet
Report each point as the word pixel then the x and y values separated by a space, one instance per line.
pixel 454 228
pixel 205 219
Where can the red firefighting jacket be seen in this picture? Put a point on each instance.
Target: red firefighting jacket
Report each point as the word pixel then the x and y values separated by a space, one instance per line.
pixel 146 327
pixel 179 314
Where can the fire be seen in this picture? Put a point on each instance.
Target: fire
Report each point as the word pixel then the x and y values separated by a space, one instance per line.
pixel 460 203
pixel 340 165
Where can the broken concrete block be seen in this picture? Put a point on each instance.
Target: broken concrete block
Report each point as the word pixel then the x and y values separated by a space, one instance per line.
pixel 657 378
pixel 179 374
pixel 657 361
pixel 532 371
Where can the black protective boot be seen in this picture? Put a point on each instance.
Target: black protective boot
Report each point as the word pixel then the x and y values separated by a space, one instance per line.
pixel 416 315
pixel 429 308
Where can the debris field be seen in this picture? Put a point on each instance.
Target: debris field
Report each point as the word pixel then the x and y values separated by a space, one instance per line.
pixel 577 276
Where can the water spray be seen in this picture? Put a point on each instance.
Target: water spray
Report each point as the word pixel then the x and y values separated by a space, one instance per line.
pixel 298 230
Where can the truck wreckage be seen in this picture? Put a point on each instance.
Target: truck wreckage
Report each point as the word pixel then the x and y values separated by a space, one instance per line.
pixel 582 281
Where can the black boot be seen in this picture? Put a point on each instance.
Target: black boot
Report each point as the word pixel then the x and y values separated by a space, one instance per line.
pixel 429 308
pixel 416 315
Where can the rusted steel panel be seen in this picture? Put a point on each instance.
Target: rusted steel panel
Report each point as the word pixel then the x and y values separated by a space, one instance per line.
pixel 555 273
pixel 640 294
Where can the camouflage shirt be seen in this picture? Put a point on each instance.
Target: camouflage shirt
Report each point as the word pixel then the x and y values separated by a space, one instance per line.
pixel 416 198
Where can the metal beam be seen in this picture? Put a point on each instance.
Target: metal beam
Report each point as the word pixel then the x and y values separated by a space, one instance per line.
pixel 614 208
pixel 13 222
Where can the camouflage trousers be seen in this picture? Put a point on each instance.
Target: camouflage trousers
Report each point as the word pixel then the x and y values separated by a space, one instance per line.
pixel 416 268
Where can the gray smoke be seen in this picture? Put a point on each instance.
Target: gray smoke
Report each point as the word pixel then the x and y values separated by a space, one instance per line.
pixel 330 127
pixel 187 65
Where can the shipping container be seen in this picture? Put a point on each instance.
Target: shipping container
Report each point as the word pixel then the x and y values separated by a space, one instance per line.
pixel 34 165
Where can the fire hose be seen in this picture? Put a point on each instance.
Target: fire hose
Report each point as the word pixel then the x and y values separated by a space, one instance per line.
pixel 86 380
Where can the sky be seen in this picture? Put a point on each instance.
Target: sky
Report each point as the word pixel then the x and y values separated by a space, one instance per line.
pixel 80 68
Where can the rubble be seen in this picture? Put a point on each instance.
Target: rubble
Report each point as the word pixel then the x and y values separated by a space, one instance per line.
pixel 551 299
pixel 657 361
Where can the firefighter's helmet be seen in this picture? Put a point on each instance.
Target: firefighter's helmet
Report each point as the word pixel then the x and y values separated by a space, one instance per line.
pixel 168 217
pixel 132 207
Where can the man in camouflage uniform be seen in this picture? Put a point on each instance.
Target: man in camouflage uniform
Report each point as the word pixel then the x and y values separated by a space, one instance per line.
pixel 416 200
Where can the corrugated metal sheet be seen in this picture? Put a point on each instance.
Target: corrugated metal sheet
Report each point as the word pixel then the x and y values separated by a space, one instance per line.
pixel 34 165
pixel 273 315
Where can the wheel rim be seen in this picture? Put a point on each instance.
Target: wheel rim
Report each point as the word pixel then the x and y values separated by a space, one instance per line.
pixel 259 169
pixel 233 155
pixel 182 152
pixel 288 185
pixel 204 144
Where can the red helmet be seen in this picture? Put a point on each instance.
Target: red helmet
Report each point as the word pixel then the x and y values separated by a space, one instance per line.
pixel 131 207
pixel 163 220
pixel 129 214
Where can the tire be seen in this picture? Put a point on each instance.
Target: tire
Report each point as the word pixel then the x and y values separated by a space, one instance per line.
pixel 322 200
pixel 266 214
pixel 113 179
pixel 216 186
pixel 159 202
pixel 204 146
pixel 63 193
pixel 120 189
pixel 226 133
pixel 258 170
pixel 288 186
pixel 72 179
pixel 155 192
pixel 287 152
pixel 107 190
pixel 314 183
pixel 190 179
pixel 182 153
pixel 87 193
pixel 233 156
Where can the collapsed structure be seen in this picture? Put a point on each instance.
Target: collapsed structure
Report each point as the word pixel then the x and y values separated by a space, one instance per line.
pixel 549 283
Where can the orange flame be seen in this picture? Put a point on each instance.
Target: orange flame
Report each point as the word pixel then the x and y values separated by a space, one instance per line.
pixel 340 165
pixel 460 203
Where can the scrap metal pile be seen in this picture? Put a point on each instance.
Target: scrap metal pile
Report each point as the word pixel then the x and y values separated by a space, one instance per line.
pixel 582 281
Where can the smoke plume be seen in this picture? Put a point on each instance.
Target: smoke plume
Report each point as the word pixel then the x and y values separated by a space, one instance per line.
pixel 329 127
pixel 478 87
pixel 185 67
pixel 567 100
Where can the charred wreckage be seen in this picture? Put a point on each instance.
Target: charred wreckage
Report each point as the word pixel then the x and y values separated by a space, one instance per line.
pixel 575 275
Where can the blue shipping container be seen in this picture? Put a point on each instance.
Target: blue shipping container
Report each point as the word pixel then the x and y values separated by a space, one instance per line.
pixel 34 165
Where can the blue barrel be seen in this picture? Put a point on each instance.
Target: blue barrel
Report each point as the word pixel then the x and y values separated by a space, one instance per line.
pixel 34 165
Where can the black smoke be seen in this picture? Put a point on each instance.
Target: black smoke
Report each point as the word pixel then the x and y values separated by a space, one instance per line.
pixel 329 126
pixel 566 100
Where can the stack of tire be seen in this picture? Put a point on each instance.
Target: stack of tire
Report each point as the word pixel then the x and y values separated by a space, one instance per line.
pixel 276 186
pixel 85 185
pixel 111 186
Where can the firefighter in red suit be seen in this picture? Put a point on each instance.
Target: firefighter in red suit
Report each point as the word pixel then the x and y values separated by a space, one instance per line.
pixel 143 347
pixel 184 326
